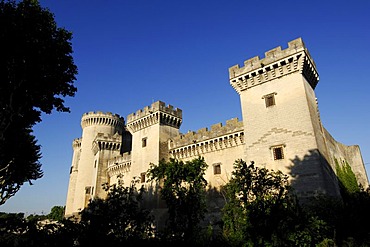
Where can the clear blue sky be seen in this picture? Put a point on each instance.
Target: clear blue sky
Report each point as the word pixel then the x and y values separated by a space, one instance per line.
pixel 131 53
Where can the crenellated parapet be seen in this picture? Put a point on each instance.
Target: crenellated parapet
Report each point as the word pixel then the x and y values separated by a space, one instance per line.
pixel 119 165
pixel 107 142
pixel 158 112
pixel 204 140
pixel 100 118
pixel 275 64
pixel 76 144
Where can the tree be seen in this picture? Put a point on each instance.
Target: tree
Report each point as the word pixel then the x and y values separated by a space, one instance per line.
pixel 11 225
pixel 118 219
pixel 56 213
pixel 36 72
pixel 35 230
pixel 347 217
pixel 19 155
pixel 261 210
pixel 183 189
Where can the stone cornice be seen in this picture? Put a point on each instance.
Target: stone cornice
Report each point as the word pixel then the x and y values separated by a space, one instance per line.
pixel 277 63
pixel 156 113
pixel 204 134
pixel 229 140
pixel 119 165
pixel 100 118
pixel 118 169
pixel 107 142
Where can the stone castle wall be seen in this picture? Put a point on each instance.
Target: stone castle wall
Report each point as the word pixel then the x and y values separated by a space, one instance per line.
pixel 119 167
pixel 207 142
pixel 350 154
pixel 109 148
pixel 220 146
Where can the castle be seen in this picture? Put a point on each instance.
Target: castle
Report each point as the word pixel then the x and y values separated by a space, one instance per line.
pixel 280 130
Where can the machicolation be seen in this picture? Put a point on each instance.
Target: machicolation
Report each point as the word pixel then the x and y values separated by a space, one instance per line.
pixel 217 131
pixel 275 64
pixel 100 118
pixel 280 130
pixel 157 112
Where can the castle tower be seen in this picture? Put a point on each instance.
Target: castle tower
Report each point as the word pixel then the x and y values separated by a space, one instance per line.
pixel 151 128
pixel 105 147
pixel 76 145
pixel 282 127
pixel 86 167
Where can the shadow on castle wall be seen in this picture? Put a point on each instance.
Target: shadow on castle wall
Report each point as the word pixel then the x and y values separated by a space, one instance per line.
pixel 313 175
pixel 215 201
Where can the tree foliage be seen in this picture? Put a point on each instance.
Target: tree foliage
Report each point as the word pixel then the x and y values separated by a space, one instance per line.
pixel 347 217
pixel 182 186
pixel 56 213
pixel 19 160
pixel 261 210
pixel 36 72
pixel 117 219
pixel 15 230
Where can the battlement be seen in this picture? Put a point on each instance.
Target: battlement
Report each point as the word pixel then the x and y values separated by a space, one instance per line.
pixel 155 107
pixel 119 165
pixel 276 63
pixel 271 56
pixel 76 143
pixel 158 112
pixel 100 113
pixel 205 141
pixel 233 125
pixel 101 118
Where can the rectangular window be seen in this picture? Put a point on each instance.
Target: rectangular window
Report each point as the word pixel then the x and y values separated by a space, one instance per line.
pixel 217 168
pixel 144 142
pixel 269 99
pixel 88 190
pixel 278 153
pixel 142 177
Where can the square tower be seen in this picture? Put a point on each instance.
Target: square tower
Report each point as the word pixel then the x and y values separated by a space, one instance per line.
pixel 151 128
pixel 282 127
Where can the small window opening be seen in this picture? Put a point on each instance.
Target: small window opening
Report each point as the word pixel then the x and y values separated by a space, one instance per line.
pixel 270 100
pixel 144 142
pixel 217 168
pixel 278 153
pixel 88 190
pixel 142 177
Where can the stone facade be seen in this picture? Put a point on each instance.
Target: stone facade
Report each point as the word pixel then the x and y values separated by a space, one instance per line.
pixel 280 130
